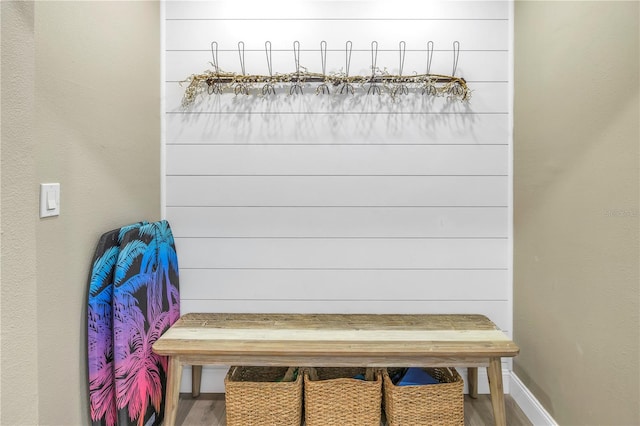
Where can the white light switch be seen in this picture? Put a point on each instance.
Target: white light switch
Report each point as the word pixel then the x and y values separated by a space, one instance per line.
pixel 49 199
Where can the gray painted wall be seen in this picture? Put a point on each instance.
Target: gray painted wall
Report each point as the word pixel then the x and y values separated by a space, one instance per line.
pixel 576 209
pixel 80 106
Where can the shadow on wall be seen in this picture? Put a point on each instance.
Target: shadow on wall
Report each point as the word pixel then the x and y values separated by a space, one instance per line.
pixel 334 117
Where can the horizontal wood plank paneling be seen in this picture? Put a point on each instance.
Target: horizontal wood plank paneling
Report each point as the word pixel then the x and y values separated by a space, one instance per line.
pixel 434 126
pixel 198 34
pixel 341 203
pixel 226 160
pixel 328 285
pixel 302 10
pixel 336 191
pixel 328 222
pixel 294 253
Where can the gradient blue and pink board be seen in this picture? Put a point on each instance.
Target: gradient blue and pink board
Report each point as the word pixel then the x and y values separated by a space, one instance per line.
pixel 133 299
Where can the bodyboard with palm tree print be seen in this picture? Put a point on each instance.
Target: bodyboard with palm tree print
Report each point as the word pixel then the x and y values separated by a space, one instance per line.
pixel 145 304
pixel 102 399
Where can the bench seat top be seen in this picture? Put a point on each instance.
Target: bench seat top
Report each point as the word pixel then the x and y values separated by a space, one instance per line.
pixel 342 335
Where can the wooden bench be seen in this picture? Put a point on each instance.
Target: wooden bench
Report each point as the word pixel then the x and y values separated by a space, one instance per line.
pixel 336 340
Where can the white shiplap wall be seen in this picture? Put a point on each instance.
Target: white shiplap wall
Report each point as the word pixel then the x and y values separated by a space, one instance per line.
pixel 341 204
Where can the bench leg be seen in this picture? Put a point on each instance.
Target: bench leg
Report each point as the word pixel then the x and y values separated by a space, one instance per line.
pixel 472 380
pixel 174 377
pixel 196 379
pixel 497 393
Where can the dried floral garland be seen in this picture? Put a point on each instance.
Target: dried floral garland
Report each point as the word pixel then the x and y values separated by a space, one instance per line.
pixel 213 82
pixel 217 81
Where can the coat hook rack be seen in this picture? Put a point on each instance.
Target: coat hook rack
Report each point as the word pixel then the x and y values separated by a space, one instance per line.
pixel 216 81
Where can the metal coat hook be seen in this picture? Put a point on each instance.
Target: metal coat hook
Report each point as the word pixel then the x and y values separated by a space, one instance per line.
pixel 213 84
pixel 267 50
pixel 429 56
pixel 401 88
pixel 323 58
pixel 347 55
pixel 402 48
pixel 346 86
pixel 241 56
pixel 456 55
pixel 268 88
pixel 296 55
pixel 379 80
pixel 429 87
pixel 455 88
pixel 297 87
pixel 373 86
pixel 241 86
pixel 374 58
pixel 214 55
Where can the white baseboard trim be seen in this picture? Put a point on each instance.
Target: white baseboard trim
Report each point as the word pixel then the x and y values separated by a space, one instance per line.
pixel 212 379
pixel 528 403
pixel 483 380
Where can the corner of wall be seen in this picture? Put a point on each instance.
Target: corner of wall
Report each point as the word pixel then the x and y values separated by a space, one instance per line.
pixel 18 291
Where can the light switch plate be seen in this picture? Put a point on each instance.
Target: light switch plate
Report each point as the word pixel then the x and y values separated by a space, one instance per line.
pixel 49 199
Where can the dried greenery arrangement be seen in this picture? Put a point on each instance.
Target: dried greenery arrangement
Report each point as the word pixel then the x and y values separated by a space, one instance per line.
pixel 217 81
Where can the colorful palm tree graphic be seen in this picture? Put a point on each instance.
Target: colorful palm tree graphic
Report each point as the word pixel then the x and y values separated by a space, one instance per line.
pixel 100 335
pixel 100 328
pixel 142 312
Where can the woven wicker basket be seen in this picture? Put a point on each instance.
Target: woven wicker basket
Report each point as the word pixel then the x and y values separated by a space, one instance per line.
pixel 438 404
pixel 254 396
pixel 332 397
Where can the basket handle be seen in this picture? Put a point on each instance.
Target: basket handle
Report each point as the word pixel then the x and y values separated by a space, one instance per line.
pixel 312 373
pixel 233 370
pixel 370 374
pixel 288 376
pixel 450 374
